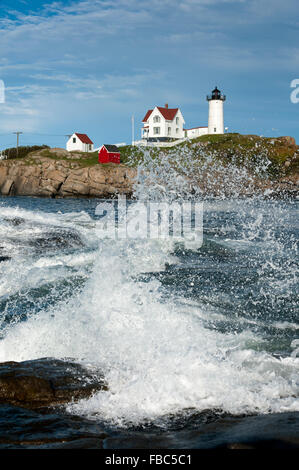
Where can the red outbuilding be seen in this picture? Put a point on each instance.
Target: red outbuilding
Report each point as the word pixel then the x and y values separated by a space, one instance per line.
pixel 109 154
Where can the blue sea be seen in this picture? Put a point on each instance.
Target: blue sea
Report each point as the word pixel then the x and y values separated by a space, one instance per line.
pixel 197 343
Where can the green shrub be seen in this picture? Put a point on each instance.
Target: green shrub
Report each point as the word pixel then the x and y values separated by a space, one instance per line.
pixel 22 152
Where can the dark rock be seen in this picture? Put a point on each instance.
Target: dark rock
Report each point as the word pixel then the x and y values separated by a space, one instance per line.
pixel 15 221
pixel 58 239
pixel 84 442
pixel 4 258
pixel 267 432
pixel 46 382
pixel 22 428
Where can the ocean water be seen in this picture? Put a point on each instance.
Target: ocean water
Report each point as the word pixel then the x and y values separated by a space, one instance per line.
pixel 194 340
pixel 178 331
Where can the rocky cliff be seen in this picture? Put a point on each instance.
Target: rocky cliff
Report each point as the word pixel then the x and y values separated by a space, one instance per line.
pixel 56 173
pixel 222 165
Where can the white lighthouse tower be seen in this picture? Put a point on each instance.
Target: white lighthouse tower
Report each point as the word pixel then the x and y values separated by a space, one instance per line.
pixel 216 100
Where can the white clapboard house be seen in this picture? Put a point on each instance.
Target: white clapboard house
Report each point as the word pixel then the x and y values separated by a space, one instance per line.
pixel 162 124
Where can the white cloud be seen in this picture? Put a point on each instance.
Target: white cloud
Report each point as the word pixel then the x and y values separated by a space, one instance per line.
pixel 116 56
pixel 99 35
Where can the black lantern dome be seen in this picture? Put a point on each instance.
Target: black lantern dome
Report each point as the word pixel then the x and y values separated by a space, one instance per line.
pixel 216 95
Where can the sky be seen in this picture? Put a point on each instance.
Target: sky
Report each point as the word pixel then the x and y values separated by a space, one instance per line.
pixel 88 65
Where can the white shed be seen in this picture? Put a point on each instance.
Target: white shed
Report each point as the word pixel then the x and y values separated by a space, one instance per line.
pixel 79 142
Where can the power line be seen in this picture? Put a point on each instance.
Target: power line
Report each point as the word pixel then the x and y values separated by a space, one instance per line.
pixel 28 143
pixel 46 135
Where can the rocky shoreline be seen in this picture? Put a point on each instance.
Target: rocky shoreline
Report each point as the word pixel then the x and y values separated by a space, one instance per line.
pixel 32 395
pixel 56 173
pixel 42 176
pixel 46 382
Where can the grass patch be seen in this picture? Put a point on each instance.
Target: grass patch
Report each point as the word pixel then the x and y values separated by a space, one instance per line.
pixel 249 150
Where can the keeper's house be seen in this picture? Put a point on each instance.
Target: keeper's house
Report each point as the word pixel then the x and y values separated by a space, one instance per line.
pixel 79 142
pixel 109 154
pixel 163 124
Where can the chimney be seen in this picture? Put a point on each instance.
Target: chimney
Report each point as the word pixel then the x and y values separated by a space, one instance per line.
pixel 166 105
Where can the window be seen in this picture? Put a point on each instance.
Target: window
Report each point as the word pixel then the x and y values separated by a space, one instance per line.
pixel 215 130
pixel 89 146
pixel 169 130
pixel 156 130
pixel 177 130
pixel 177 120
pixel 74 140
pixel 157 119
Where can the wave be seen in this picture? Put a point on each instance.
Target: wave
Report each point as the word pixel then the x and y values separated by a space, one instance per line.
pixel 162 351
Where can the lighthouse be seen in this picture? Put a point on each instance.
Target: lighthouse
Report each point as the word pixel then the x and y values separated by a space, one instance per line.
pixel 216 100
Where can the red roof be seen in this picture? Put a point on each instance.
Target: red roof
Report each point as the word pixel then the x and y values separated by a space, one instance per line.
pixel 84 138
pixel 147 115
pixel 168 114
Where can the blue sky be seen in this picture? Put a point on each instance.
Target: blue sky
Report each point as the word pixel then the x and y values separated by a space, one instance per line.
pixel 87 66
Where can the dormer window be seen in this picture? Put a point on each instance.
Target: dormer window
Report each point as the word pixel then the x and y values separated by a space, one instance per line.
pixel 157 119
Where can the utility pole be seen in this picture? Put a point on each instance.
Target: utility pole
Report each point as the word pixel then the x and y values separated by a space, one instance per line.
pixel 18 134
pixel 133 130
